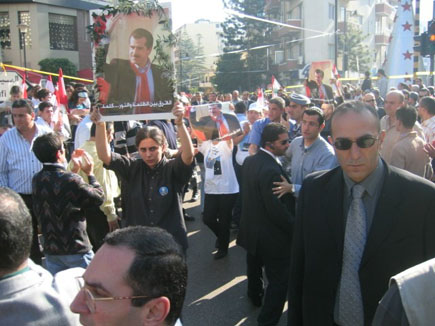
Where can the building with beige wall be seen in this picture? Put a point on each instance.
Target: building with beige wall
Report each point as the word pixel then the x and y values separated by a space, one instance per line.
pixel 56 29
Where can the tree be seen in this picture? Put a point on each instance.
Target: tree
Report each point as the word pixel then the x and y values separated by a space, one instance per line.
pixel 229 73
pixel 358 54
pixel 244 34
pixel 190 66
pixel 53 65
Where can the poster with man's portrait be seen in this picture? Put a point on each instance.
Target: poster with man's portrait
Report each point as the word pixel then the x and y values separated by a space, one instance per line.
pixel 134 64
pixel 214 121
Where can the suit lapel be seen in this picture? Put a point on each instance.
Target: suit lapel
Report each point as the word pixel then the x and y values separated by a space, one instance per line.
pixel 332 205
pixel 383 219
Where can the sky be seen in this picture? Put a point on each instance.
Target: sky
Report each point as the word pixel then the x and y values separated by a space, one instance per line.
pixel 188 11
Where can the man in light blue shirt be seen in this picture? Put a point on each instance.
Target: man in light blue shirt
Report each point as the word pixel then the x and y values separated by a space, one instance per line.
pixel 307 153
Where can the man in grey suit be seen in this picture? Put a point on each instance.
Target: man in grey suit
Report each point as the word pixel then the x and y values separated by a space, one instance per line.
pixel 356 226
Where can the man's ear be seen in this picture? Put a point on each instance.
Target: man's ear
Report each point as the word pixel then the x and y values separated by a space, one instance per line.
pixel 156 311
pixel 381 137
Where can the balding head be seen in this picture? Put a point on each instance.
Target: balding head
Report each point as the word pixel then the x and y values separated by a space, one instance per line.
pixel 393 101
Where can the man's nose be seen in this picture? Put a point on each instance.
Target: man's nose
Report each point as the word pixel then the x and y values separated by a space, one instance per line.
pixel 355 151
pixel 78 305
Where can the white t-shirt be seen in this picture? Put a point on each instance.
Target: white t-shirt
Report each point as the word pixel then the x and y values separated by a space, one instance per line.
pixel 220 177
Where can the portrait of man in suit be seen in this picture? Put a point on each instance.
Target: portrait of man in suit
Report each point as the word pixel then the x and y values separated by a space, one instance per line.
pixel 356 226
pixel 206 119
pixel 137 79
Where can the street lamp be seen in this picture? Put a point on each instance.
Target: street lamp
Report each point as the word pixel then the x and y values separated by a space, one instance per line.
pixel 23 29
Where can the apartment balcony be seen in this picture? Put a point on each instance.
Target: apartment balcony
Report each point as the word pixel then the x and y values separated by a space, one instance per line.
pixel 289 64
pixel 272 6
pixel 382 39
pixel 384 9
pixel 282 31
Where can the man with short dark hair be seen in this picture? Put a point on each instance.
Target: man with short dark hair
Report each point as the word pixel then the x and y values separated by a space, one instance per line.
pixel 356 226
pixel 324 91
pixel 307 153
pixel 426 111
pixel 276 109
pixel 408 153
pixel 298 104
pixel 267 224
pixel 18 164
pixel 59 201
pixel 29 295
pixel 146 286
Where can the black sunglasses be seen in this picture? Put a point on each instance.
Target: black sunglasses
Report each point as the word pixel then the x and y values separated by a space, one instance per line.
pixel 344 144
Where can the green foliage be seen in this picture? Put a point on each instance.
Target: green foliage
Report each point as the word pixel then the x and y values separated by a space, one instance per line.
pixel 53 65
pixel 230 73
pixel 190 67
pixel 244 34
pixel 354 39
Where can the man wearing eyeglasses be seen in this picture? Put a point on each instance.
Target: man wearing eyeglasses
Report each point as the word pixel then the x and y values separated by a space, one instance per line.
pixel 370 99
pixel 138 277
pixel 356 226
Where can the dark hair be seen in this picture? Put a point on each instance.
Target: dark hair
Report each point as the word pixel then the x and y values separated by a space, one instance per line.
pixel 16 230
pixel 109 125
pixel 429 104
pixel 152 132
pixel 143 33
pixel 271 133
pixel 315 111
pixel 278 101
pixel 357 107
pixel 367 73
pixel 320 72
pixel 43 92
pixel 23 103
pixel 15 90
pixel 158 269
pixel 44 105
pixel 46 146
pixel 240 107
pixel 407 115
pixel 74 100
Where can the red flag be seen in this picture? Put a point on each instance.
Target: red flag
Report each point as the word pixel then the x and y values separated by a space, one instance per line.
pixel 275 86
pixel 61 96
pixel 24 86
pixel 49 85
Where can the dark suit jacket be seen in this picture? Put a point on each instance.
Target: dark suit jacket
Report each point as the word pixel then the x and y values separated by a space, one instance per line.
pixel 206 124
pixel 401 235
pixel 267 221
pixel 122 81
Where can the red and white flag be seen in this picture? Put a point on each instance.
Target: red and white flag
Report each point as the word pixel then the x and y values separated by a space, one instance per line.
pixel 62 98
pixel 260 98
pixel 24 86
pixel 275 86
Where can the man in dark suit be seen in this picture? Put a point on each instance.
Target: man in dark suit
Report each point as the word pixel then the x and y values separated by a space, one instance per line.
pixel 391 226
pixel 324 91
pixel 225 123
pixel 267 224
pixel 137 79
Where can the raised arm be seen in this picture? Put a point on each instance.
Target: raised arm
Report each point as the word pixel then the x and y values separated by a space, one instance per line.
pixel 103 149
pixel 185 140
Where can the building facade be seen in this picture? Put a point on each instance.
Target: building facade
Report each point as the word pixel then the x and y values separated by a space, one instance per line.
pixel 312 38
pixel 46 29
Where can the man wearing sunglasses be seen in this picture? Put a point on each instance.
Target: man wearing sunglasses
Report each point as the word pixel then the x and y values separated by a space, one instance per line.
pixel 266 225
pixel 138 277
pixel 356 226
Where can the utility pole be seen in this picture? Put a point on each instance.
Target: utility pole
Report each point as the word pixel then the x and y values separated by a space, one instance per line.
pixel 336 33
pixel 416 34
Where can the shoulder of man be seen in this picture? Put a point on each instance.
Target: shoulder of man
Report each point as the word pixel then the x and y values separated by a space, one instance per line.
pixel 411 183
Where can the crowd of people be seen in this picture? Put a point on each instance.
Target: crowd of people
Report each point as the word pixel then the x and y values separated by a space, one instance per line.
pixel 330 191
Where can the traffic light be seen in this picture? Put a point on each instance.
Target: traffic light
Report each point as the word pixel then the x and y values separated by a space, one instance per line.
pixel 431 37
pixel 420 42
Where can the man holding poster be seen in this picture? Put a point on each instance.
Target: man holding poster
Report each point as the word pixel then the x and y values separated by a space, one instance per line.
pixel 137 80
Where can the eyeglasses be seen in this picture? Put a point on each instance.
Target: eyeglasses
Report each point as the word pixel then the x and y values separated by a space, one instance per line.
pixel 365 141
pixel 90 299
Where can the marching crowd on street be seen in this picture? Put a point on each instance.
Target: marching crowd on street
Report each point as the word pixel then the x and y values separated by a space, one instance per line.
pixel 330 190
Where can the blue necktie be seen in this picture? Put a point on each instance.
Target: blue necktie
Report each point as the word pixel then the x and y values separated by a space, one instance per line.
pixel 351 312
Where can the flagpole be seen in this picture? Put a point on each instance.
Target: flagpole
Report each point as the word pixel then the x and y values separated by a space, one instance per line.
pixel 416 34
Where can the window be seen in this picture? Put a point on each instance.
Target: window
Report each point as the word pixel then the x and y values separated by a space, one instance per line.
pixel 331 11
pixel 5 30
pixel 25 36
pixel 279 57
pixel 63 32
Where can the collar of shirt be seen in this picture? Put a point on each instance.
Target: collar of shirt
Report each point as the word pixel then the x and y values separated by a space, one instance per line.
pixel 411 134
pixel 57 165
pixel 143 69
pixel 40 130
pixel 428 122
pixel 371 183
pixel 271 154
pixel 312 146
